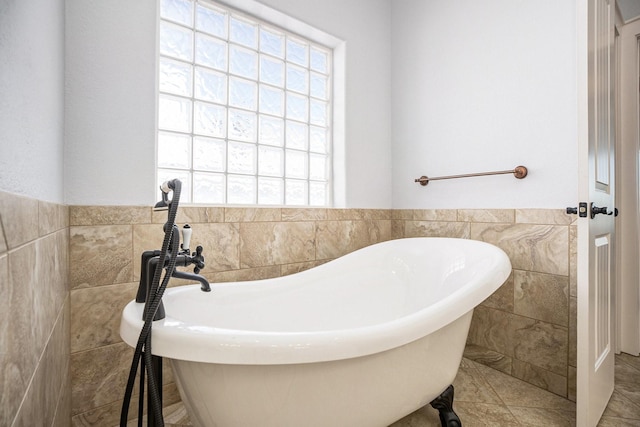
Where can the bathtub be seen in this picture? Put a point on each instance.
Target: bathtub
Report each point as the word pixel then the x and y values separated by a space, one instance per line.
pixel 359 341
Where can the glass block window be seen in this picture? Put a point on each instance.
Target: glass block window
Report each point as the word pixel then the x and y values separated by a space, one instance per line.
pixel 244 109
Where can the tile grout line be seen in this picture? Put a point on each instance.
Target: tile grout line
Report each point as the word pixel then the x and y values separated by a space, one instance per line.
pixel 620 360
pixel 509 407
pixel 40 361
pixel 490 385
pixel 627 400
pixel 4 235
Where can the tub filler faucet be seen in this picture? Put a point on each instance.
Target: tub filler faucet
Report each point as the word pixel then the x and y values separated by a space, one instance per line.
pixel 197 259
pixel 185 258
pixel 156 270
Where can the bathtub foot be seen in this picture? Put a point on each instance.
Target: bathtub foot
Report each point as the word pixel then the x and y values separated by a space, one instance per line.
pixel 444 405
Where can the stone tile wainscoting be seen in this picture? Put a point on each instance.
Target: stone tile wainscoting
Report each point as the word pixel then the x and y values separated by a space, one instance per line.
pixel 239 244
pixel 532 311
pixel 34 313
pixel 527 328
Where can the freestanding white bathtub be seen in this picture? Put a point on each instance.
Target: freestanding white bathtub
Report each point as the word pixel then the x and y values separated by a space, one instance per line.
pixel 359 341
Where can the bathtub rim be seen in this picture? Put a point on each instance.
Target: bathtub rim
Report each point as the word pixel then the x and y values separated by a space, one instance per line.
pixel 232 346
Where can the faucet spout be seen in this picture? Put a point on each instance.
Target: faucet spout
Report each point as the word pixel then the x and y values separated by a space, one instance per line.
pixel 205 287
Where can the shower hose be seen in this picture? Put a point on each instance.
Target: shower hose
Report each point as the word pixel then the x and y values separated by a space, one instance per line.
pixel 170 249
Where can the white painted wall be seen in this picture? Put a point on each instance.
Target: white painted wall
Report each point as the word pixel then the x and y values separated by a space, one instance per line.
pixel 433 88
pixel 111 48
pixel 481 86
pixel 110 102
pixel 32 98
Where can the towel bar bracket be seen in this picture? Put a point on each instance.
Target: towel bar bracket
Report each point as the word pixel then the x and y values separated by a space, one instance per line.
pixel 520 172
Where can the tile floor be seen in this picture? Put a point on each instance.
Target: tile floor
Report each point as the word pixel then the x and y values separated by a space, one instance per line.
pixel 486 397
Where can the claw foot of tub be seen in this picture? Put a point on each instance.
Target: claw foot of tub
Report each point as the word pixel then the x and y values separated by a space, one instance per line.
pixel 444 405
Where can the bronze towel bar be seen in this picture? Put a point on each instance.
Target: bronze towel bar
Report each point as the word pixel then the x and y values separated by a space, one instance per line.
pixel 519 172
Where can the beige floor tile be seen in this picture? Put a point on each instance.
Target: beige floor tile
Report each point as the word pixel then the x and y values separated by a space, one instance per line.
pixel 471 386
pixel 484 414
pixel 627 381
pixel 537 417
pixel 628 359
pixel 514 392
pixel 626 370
pixel 618 422
pixel 423 417
pixel 621 407
pixel 174 416
pixel 630 390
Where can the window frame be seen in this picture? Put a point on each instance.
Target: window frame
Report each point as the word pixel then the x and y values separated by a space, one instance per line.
pixel 271 20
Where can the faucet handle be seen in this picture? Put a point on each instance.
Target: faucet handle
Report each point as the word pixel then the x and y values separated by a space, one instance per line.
pixel 186 237
pixel 198 260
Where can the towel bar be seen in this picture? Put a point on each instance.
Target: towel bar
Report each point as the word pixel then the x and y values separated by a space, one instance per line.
pixel 518 172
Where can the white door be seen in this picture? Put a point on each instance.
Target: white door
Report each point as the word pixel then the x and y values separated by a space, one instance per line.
pixel 595 375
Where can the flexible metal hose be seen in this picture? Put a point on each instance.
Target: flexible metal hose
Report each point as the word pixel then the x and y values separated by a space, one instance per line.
pixel 153 302
pixel 153 386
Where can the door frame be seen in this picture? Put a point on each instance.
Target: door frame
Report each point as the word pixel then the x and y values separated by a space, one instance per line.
pixel 628 199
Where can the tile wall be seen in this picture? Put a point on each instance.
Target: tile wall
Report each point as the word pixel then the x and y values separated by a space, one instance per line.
pixel 526 329
pixel 34 313
pixel 239 244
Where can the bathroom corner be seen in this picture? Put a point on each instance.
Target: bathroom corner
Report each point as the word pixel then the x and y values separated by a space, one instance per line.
pixel 526 329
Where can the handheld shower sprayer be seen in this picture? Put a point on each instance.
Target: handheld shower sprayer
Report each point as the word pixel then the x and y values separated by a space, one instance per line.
pixel 165 188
